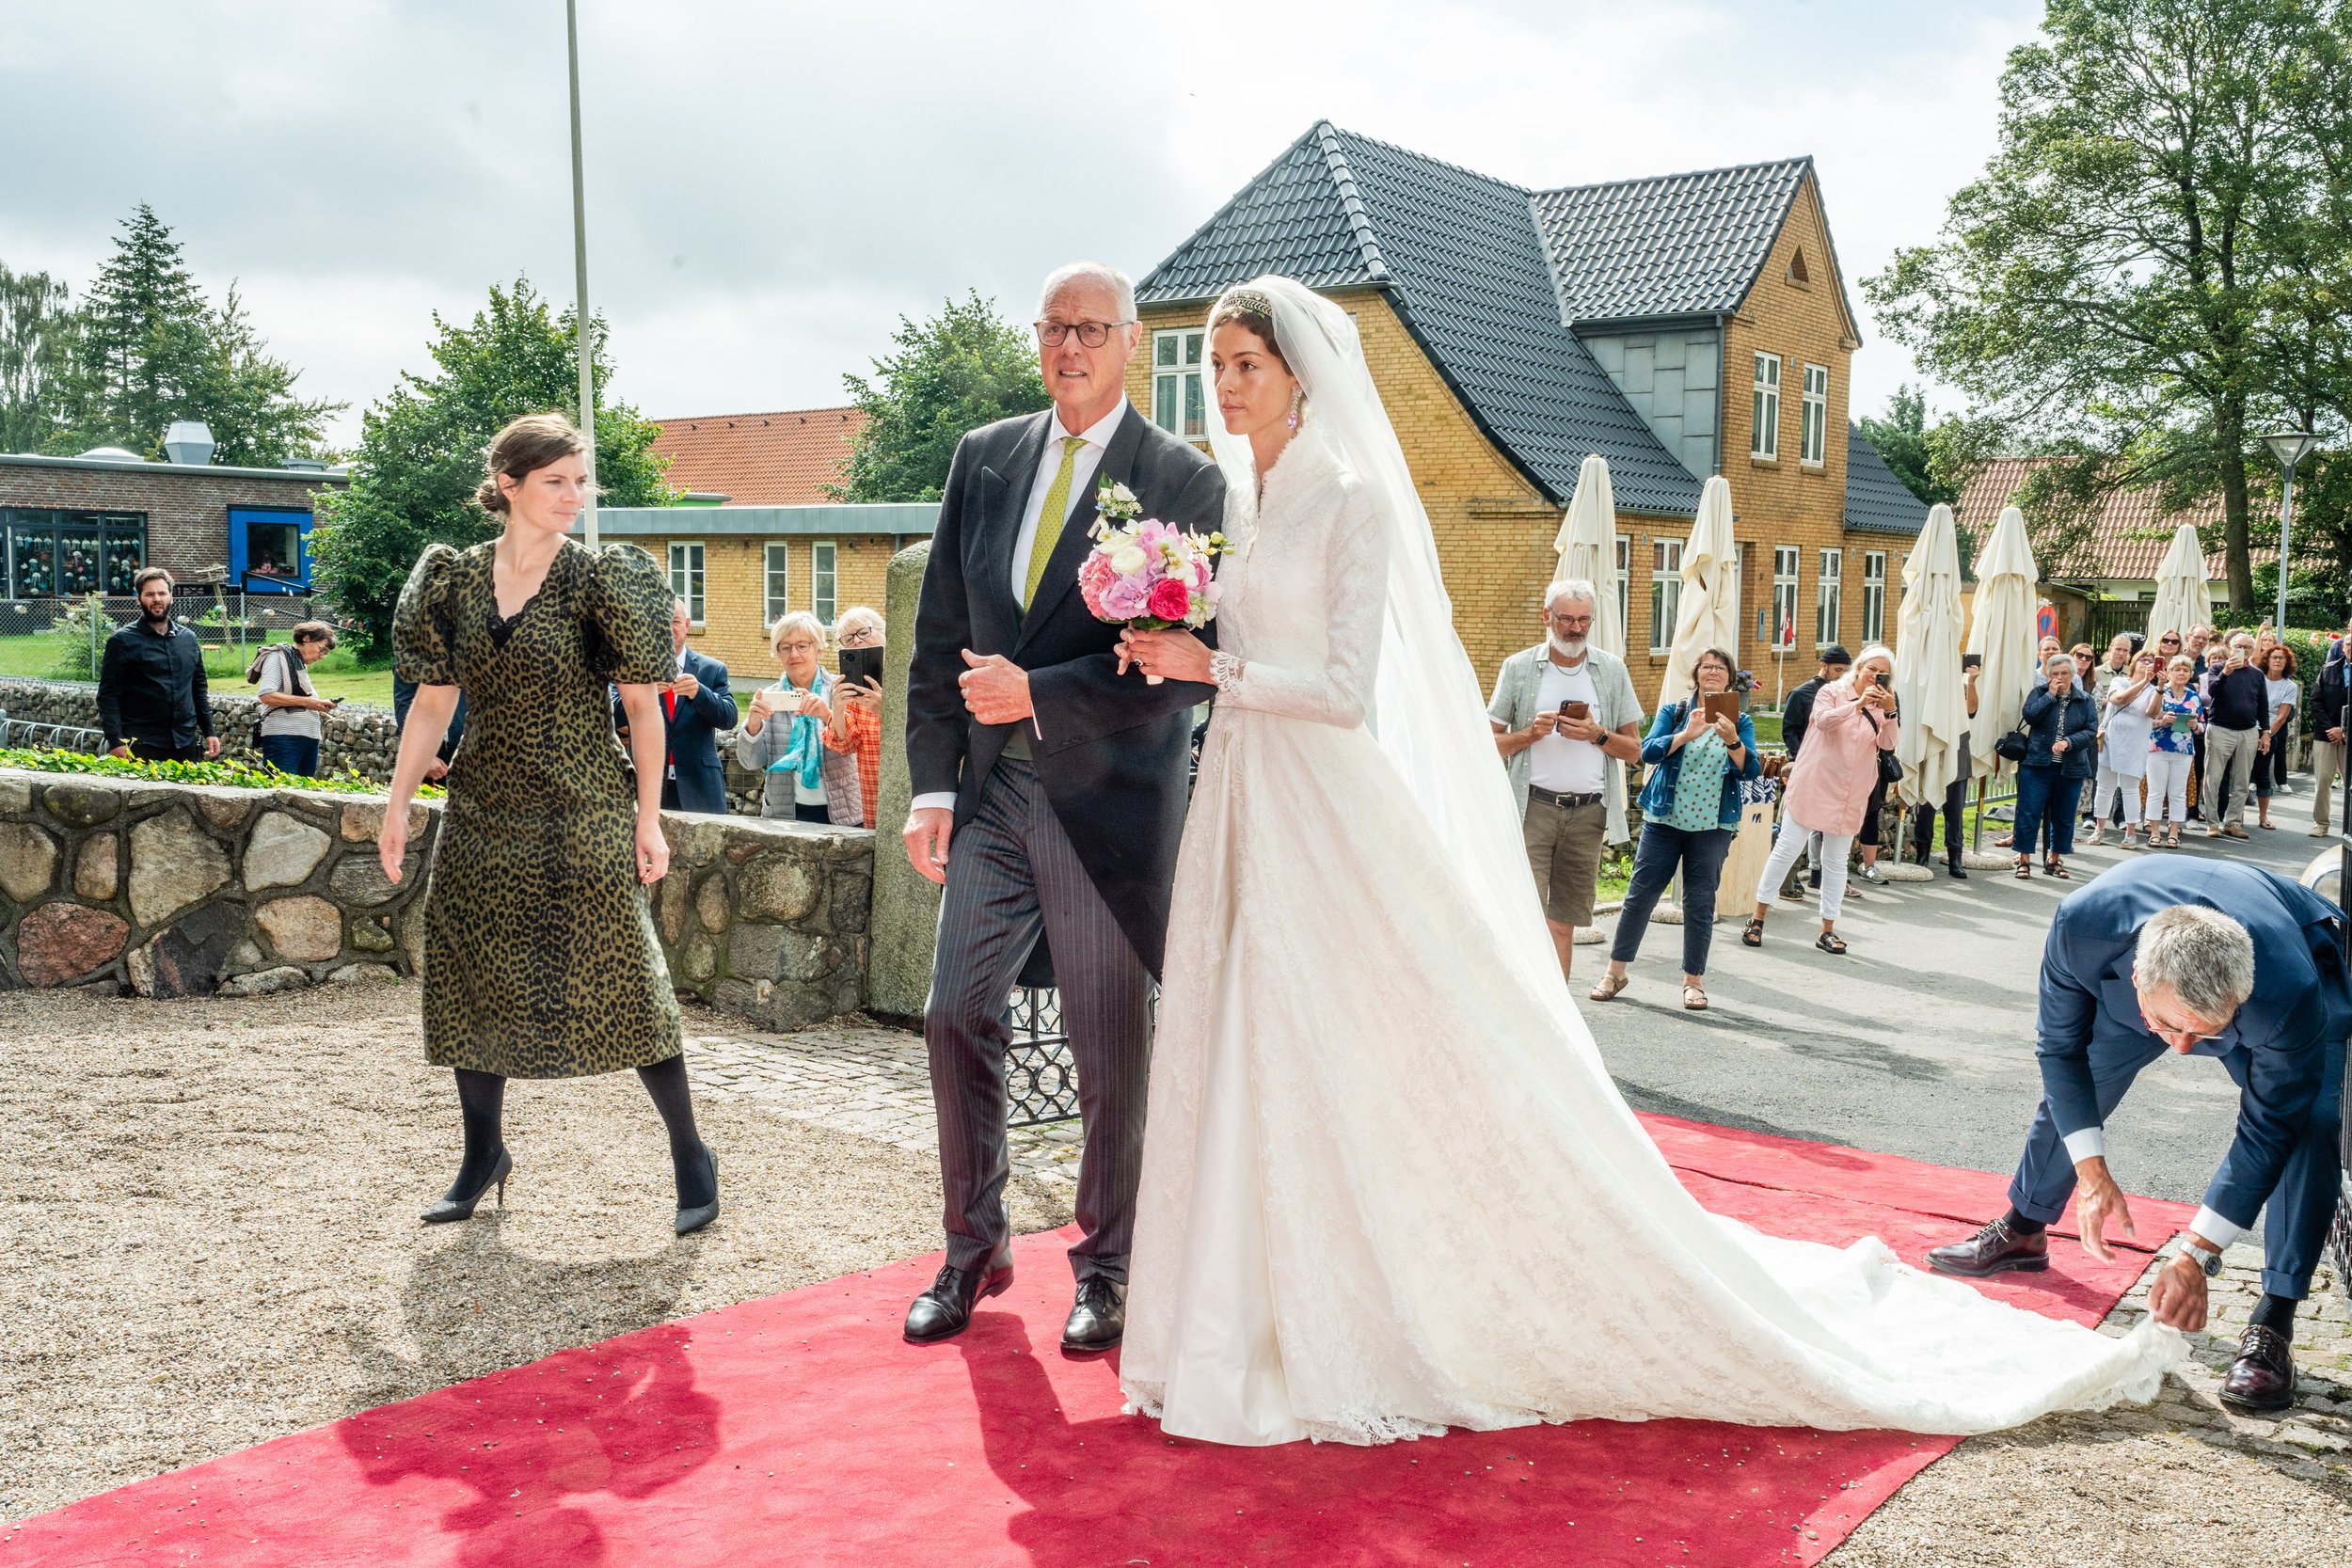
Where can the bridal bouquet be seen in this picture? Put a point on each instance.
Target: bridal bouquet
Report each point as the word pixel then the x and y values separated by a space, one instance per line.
pixel 1145 574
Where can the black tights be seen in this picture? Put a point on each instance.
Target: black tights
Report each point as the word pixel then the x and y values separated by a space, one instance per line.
pixel 481 1101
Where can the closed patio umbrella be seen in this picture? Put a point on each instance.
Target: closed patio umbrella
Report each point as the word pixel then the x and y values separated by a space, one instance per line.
pixel 2183 597
pixel 1927 662
pixel 1588 550
pixel 1709 613
pixel 2002 634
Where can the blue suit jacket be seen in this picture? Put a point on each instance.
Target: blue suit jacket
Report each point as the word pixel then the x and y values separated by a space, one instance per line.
pixel 2300 1011
pixel 693 739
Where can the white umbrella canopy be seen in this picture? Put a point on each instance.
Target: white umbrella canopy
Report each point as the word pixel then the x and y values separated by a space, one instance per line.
pixel 1927 662
pixel 2002 634
pixel 2183 597
pixel 1709 615
pixel 1588 550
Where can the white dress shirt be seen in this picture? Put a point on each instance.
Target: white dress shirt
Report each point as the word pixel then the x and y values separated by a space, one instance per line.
pixel 1097 437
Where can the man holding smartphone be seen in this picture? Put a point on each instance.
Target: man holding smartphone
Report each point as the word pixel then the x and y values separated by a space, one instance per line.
pixel 1566 722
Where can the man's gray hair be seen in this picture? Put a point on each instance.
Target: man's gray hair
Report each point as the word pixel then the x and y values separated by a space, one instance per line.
pixel 1110 278
pixel 1571 587
pixel 2203 954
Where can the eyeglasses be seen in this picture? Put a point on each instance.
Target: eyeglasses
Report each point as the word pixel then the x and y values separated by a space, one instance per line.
pixel 1093 334
pixel 796 647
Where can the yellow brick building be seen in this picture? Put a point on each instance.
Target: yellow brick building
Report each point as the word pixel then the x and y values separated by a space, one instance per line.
pixel 1512 332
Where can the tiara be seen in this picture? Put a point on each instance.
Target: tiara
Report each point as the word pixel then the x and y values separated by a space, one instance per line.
pixel 1255 302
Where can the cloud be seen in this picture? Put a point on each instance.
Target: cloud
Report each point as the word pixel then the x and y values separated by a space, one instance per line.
pixel 771 187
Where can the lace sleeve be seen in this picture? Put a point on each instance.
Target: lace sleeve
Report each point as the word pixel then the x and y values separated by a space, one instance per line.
pixel 1338 691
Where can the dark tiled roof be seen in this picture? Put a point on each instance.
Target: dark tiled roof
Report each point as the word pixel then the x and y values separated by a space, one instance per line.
pixel 1461 259
pixel 1875 501
pixel 1677 245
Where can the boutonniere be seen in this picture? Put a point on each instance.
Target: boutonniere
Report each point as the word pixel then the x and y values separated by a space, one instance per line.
pixel 1117 502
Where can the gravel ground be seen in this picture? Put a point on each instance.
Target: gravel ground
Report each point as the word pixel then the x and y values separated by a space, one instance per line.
pixel 211 1208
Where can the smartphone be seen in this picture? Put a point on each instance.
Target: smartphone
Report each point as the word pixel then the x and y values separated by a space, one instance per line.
pixel 1576 710
pixel 1722 704
pixel 1972 661
pixel 1883 680
pixel 861 665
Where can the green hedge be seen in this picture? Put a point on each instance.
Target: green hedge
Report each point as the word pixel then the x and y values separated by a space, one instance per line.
pixel 236 775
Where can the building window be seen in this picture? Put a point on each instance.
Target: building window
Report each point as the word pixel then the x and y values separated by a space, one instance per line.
pixel 1665 592
pixel 1625 582
pixel 779 581
pixel 1829 605
pixel 1178 403
pixel 686 578
pixel 48 554
pixel 1874 596
pixel 1813 434
pixel 1784 630
pixel 1764 436
pixel 822 579
pixel 268 549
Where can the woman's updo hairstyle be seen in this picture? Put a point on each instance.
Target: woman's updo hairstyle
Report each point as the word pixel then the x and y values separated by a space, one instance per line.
pixel 524 446
pixel 1252 311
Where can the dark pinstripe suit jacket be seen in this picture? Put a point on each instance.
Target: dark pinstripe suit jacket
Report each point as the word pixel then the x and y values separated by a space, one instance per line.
pixel 1110 749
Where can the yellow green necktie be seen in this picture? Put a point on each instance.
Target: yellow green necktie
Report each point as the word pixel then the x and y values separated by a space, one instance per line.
pixel 1049 518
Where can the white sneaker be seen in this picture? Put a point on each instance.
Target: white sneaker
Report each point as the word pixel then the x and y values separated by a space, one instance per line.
pixel 2323 831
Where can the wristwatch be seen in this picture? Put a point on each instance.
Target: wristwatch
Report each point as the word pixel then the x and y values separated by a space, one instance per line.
pixel 2205 1257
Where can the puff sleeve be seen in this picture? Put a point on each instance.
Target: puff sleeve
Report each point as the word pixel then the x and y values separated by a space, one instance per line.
pixel 424 624
pixel 629 606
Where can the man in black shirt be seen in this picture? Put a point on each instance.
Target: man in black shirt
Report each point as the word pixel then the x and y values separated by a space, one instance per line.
pixel 2237 703
pixel 1796 715
pixel 153 703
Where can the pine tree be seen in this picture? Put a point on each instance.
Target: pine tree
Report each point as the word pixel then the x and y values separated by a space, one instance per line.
pixel 144 337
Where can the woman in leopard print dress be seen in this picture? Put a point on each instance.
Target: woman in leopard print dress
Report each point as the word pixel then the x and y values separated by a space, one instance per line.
pixel 540 958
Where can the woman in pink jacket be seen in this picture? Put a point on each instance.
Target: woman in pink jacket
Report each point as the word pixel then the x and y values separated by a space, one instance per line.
pixel 1853 721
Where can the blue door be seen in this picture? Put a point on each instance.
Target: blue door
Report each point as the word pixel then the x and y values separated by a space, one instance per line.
pixel 269 549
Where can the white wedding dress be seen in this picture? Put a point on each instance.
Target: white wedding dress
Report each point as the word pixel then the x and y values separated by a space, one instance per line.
pixel 1387 1185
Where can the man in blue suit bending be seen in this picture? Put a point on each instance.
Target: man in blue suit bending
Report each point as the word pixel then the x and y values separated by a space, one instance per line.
pixel 2210 959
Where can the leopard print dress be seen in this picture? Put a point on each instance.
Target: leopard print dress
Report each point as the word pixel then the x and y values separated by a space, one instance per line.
pixel 540 957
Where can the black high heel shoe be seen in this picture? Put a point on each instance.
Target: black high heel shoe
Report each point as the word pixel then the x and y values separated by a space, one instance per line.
pixel 452 1208
pixel 691 1220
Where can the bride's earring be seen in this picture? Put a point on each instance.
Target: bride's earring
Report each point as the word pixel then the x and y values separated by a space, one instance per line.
pixel 1299 400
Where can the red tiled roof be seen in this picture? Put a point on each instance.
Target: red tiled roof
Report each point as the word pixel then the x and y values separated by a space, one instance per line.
pixel 774 459
pixel 2129 537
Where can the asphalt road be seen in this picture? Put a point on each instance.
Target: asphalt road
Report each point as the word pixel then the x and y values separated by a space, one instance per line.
pixel 1919 1041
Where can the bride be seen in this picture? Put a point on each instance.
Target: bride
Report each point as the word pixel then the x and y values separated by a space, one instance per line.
pixel 1388 1185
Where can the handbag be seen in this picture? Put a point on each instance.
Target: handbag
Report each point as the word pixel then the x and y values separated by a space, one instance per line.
pixel 2011 747
pixel 1890 769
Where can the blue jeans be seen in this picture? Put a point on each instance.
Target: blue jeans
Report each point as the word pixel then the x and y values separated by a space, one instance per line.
pixel 2047 802
pixel 1701 857
pixel 294 754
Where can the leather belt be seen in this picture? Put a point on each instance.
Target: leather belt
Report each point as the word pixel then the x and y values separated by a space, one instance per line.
pixel 1558 799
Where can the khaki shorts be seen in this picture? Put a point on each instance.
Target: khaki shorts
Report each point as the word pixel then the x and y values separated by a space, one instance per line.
pixel 1564 851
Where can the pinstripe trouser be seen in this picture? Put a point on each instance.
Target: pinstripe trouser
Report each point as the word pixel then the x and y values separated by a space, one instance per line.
pixel 1012 873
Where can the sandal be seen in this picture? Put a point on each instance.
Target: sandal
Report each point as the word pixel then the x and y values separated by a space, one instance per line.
pixel 1753 935
pixel 1830 941
pixel 2023 869
pixel 2172 839
pixel 1609 987
pixel 1694 1000
pixel 2056 868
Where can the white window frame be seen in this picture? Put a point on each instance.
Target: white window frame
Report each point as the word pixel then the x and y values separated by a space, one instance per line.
pixel 1829 598
pixel 689 576
pixel 1665 592
pixel 1625 582
pixel 1178 356
pixel 1813 428
pixel 1874 596
pixel 1764 437
pixel 824 580
pixel 776 581
pixel 1781 633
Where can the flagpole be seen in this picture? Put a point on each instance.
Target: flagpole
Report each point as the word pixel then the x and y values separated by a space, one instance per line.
pixel 580 260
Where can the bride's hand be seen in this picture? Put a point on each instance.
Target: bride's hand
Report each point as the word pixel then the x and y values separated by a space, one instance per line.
pixel 1175 653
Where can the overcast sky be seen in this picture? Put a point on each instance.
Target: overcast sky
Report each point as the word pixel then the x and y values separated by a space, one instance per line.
pixel 771 185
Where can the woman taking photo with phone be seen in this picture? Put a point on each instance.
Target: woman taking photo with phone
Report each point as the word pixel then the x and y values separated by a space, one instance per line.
pixel 2061 727
pixel 782 736
pixel 1853 721
pixel 856 726
pixel 1697 760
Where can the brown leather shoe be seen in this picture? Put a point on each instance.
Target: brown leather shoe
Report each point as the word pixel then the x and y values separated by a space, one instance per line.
pixel 1996 1249
pixel 2262 1379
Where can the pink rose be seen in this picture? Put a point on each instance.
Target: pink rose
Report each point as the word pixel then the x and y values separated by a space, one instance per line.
pixel 1171 601
pixel 1123 600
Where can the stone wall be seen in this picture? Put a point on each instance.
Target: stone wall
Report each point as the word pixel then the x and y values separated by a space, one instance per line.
pixel 357 737
pixel 173 890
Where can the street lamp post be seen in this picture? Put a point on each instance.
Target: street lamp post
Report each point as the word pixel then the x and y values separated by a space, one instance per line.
pixel 579 259
pixel 2289 447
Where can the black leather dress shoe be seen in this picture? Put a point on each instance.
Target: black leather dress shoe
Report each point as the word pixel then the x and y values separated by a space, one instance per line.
pixel 945 1311
pixel 1996 1249
pixel 1098 1318
pixel 2260 1382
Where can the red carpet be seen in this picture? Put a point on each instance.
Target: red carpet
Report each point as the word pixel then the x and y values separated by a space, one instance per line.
pixel 799 1430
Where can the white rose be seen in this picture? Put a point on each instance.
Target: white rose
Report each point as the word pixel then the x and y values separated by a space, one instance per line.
pixel 1127 559
pixel 1120 494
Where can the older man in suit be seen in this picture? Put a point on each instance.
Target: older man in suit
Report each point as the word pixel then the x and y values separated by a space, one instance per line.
pixel 696 705
pixel 2209 959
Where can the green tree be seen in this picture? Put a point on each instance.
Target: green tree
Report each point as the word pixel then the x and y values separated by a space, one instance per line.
pixel 37 325
pixel 420 448
pixel 1914 450
pixel 961 369
pixel 2102 285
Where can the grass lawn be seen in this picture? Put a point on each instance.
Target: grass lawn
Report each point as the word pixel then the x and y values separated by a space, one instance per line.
pixel 339 674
